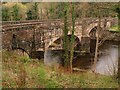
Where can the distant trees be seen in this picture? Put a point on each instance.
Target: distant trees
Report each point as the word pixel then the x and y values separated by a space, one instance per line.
pixel 29 15
pixel 34 11
pixel 52 11
pixel 59 11
pixel 117 10
pixel 32 14
pixel 15 13
pixel 5 14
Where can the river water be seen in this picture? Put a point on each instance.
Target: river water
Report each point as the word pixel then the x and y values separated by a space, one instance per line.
pixel 107 61
pixel 53 57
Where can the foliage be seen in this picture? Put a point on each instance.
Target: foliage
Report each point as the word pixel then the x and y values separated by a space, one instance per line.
pixel 29 15
pixel 65 37
pixel 117 10
pixel 72 37
pixel 5 14
pixel 114 28
pixel 60 8
pixel 52 11
pixel 24 59
pixel 15 13
pixel 35 11
pixel 32 13
pixel 55 10
pixel 14 9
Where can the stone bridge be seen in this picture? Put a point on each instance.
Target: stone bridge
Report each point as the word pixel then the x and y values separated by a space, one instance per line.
pixel 40 34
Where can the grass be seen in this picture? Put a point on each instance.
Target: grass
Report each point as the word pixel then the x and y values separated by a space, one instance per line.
pixel 114 28
pixel 34 74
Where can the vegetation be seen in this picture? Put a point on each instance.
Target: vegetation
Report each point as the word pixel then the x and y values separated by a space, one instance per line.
pixel 5 14
pixel 21 71
pixel 65 37
pixel 15 13
pixel 114 28
pixel 72 37
pixel 34 74
pixel 29 15
pixel 33 11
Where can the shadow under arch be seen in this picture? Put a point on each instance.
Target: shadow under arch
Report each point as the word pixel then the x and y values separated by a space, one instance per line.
pixel 92 32
pixel 92 35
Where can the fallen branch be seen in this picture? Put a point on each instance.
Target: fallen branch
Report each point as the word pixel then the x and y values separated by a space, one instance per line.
pixel 77 69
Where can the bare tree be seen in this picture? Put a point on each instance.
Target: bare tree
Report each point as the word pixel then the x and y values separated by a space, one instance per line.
pixel 100 41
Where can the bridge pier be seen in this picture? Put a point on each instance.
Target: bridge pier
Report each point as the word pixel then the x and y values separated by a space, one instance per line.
pixel 85 44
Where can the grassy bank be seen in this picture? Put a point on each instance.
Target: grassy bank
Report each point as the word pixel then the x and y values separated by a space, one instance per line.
pixel 114 28
pixel 20 71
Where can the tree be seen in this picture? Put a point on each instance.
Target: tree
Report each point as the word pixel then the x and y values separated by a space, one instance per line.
pixel 100 41
pixel 5 14
pixel 52 11
pixel 29 15
pixel 72 37
pixel 97 38
pixel 35 11
pixel 117 10
pixel 60 8
pixel 15 13
pixel 65 37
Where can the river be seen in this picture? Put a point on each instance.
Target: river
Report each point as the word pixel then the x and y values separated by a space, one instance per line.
pixel 107 63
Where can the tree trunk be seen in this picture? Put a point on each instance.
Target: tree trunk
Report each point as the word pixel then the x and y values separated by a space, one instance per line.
pixel 96 50
pixel 97 43
pixel 72 37
pixel 65 37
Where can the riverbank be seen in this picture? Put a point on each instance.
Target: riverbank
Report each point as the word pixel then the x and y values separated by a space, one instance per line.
pixel 20 71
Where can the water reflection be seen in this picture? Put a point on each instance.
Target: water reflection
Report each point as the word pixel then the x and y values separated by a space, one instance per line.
pixel 108 63
pixel 53 57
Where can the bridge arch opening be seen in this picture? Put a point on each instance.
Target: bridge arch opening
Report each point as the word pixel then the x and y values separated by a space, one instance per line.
pixel 92 32
pixel 58 43
pixel 21 52
pixel 92 35
pixel 54 56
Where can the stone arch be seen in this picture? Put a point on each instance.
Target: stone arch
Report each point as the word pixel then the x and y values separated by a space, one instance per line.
pixel 90 27
pixel 21 52
pixel 92 32
pixel 60 38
